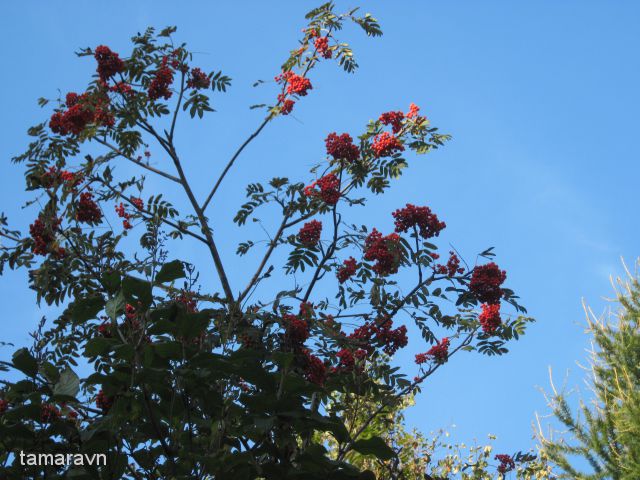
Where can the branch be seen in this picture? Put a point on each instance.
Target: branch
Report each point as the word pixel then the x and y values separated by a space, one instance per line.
pixel 169 148
pixel 272 246
pixel 328 254
pixel 177 110
pixel 137 162
pixel 233 159
pixel 150 216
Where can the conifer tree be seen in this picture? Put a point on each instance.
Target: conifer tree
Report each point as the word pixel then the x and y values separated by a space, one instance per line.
pixel 602 439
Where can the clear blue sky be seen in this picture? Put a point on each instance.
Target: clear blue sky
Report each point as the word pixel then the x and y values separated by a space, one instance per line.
pixel 541 99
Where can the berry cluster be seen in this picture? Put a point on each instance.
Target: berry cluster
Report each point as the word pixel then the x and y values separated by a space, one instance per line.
pixel 53 177
pixel 315 369
pixel 109 63
pixel 452 267
pixel 81 111
pixel 413 110
pixel 341 147
pixel 161 83
pixel 346 360
pixel 506 463
pixel 122 88
pixel 421 217
pixel 104 329
pixel 385 144
pixel 347 270
pixel 296 84
pixel 322 46
pixel 198 79
pixel 309 234
pixel 87 210
pixel 485 283
pixel 187 299
pixel 104 402
pixel 121 211
pixel 286 104
pixel 306 310
pixel 297 330
pixel 43 236
pixel 381 333
pixel 329 189
pixel 394 119
pixel 4 405
pixel 130 312
pixel 385 251
pixel 439 353
pixel 490 318
pixel 48 413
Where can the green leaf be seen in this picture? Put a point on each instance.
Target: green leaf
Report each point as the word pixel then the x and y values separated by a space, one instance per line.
pixel 170 271
pixel 97 346
pixel 115 306
pixel 87 308
pixel 137 292
pixel 68 384
pixel 374 446
pixel 24 361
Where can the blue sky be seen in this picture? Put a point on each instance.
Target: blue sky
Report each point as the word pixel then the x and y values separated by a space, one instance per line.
pixel 540 97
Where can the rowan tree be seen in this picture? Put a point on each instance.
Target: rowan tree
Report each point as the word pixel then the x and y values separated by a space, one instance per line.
pixel 192 379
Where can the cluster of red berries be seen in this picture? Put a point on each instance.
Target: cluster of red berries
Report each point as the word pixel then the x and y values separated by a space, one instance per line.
pixel 439 353
pixel 421 217
pixel 385 144
pixel 104 329
pixel 309 234
pixel 506 463
pixel 347 270
pixel 161 83
pixel 315 369
pixel 4 405
pixel 383 334
pixel 49 413
pixel 122 213
pixel 452 267
pixel 413 110
pixel 104 402
pixel 297 330
pixel 286 104
pixel 109 63
pixel 122 88
pixel 54 176
pixel 385 251
pixel 176 62
pixel 329 189
pixel 485 283
pixel 341 147
pixel 87 210
pixel 81 111
pixel 198 79
pixel 306 310
pixel 490 318
pixel 322 47
pixel 394 119
pixel 188 301
pixel 126 216
pixel 130 312
pixel 43 236
pixel 296 84
pixel 346 360
pixel 248 340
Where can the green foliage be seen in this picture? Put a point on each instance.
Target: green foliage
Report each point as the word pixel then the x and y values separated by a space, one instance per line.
pixel 602 440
